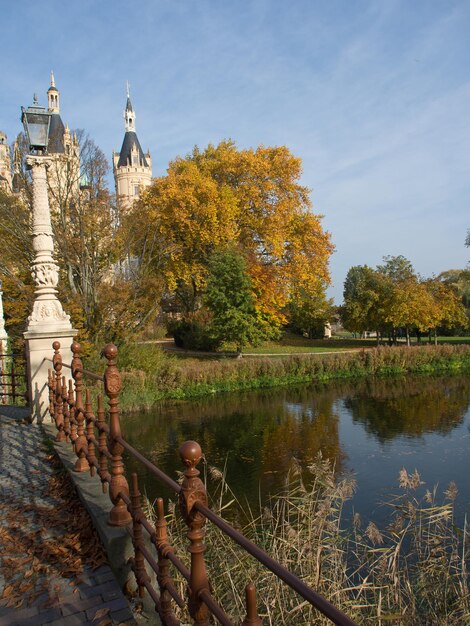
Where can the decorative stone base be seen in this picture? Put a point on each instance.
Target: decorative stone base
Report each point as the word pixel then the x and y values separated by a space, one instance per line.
pixel 47 311
pixel 38 362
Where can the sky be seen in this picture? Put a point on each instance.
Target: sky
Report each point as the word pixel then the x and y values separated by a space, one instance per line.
pixel 374 96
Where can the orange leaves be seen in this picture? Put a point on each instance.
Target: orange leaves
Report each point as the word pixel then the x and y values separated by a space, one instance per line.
pixel 248 200
pixel 44 543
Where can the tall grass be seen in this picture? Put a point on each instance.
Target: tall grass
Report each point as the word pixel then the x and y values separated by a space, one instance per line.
pixel 150 375
pixel 413 572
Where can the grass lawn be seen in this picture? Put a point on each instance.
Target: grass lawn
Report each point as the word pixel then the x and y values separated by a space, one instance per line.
pixel 288 344
pixel 292 344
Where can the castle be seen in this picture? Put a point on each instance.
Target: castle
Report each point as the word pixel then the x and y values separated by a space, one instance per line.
pixel 132 168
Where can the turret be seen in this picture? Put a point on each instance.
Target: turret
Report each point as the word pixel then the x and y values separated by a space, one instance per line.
pixel 53 96
pixel 132 168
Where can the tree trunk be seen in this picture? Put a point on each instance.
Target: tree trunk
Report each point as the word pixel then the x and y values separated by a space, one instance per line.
pixel 407 336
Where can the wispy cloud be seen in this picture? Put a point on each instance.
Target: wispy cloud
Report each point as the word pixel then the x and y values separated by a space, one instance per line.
pixel 373 97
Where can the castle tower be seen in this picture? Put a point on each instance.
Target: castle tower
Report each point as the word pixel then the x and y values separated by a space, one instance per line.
pixel 5 163
pixel 64 174
pixel 53 96
pixel 131 167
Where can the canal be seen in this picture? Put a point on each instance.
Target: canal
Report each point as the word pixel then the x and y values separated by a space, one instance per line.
pixel 369 428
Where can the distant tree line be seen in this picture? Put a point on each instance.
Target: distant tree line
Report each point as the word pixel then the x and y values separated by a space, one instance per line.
pixel 393 300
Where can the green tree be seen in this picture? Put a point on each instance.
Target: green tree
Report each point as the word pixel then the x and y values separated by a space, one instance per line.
pixel 365 295
pixel 397 268
pixel 229 297
pixel 309 311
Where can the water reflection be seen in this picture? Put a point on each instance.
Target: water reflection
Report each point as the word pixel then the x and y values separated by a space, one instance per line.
pixel 388 408
pixel 255 435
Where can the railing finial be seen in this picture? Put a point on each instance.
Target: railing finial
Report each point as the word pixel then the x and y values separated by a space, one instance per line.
pixel 252 618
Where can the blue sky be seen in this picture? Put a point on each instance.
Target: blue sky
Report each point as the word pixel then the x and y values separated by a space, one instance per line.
pixel 373 96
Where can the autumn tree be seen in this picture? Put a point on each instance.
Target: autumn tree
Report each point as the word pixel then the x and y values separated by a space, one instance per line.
pixel 449 311
pixel 459 281
pixel 15 262
pixel 411 306
pixel 224 197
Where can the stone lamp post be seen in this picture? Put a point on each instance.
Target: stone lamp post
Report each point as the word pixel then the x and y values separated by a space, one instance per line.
pixel 48 322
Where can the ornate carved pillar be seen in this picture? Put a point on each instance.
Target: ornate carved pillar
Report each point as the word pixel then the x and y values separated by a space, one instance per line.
pixel 3 351
pixel 48 322
pixel 47 310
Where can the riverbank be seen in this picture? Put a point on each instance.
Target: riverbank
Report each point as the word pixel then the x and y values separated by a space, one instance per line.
pixel 157 377
pixel 413 571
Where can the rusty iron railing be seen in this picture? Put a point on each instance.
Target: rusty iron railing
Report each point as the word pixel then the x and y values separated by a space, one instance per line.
pixel 13 379
pixel 99 446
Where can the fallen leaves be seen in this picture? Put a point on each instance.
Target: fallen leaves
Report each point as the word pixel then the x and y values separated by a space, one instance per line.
pixel 45 542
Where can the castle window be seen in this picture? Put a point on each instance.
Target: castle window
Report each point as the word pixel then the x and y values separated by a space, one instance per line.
pixel 136 190
pixel 135 159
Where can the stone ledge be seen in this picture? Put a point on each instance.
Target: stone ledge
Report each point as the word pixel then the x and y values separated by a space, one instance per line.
pixel 116 541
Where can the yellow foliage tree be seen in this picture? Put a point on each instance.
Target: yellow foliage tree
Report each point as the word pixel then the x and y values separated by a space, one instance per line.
pixel 223 197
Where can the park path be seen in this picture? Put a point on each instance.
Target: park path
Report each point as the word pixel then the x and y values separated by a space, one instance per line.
pixel 169 346
pixel 52 567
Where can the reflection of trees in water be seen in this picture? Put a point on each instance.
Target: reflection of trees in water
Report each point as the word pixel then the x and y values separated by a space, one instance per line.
pixel 256 434
pixel 409 406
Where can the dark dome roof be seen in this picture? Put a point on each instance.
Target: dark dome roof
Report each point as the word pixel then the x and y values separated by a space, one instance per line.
pixel 130 142
pixel 52 88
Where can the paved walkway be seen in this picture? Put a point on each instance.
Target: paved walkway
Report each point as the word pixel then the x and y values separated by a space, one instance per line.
pixel 52 566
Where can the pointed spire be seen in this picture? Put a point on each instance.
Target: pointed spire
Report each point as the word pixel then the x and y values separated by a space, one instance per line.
pixel 53 96
pixel 129 115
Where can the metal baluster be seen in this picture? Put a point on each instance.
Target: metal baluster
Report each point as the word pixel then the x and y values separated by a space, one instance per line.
pixel 102 445
pixel 81 445
pixel 59 416
pixel 163 574
pixel 90 432
pixel 50 384
pixel 192 491
pixel 138 564
pixel 13 379
pixel 71 403
pixel 66 409
pixel 119 515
